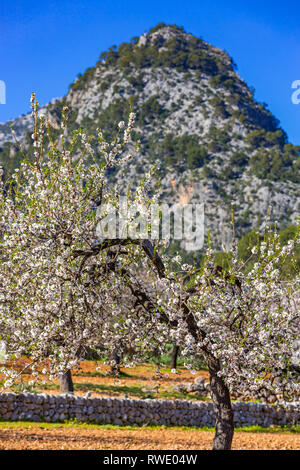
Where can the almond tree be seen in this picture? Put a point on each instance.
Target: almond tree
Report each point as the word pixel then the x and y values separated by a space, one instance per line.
pixel 59 294
pixel 243 324
pixel 63 289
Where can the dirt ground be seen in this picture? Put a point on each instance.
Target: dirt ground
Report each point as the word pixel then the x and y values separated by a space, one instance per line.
pixel 35 437
pixel 135 382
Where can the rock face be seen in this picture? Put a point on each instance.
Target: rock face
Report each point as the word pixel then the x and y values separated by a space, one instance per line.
pixel 216 144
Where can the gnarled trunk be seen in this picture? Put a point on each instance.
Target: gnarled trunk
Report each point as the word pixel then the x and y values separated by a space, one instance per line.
pixel 174 356
pixel 224 427
pixel 66 382
pixel 115 356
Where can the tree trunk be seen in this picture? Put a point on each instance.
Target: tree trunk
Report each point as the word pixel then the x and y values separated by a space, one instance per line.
pixel 66 382
pixel 115 369
pixel 224 427
pixel 174 356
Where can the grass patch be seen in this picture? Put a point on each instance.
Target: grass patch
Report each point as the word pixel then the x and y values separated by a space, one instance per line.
pixel 132 390
pixel 116 389
pixel 103 374
pixel 83 425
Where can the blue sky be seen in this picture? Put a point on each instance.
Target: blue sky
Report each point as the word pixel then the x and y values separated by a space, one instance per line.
pixel 44 45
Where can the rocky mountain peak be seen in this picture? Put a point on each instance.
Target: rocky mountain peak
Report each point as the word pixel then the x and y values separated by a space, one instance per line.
pixel 199 117
pixel 162 33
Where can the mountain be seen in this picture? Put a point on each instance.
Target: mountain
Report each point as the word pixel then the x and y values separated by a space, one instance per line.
pixel 20 125
pixel 215 142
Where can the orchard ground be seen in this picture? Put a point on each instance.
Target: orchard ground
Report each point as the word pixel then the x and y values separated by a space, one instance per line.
pixel 71 436
pixel 138 382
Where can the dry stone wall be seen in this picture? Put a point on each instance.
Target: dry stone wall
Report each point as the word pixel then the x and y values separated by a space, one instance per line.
pixel 125 411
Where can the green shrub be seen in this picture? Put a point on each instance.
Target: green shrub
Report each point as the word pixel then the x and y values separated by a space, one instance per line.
pixel 182 152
